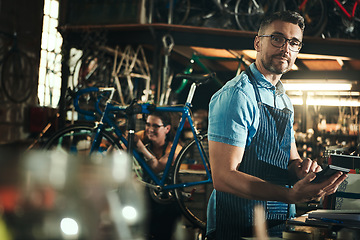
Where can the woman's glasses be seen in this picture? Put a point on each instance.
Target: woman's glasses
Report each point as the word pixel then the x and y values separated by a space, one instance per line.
pixel 154 126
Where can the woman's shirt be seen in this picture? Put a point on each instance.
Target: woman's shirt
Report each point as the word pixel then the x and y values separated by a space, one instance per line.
pixel 145 140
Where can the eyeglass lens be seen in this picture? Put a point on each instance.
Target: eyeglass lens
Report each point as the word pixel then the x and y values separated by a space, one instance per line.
pixel 155 126
pixel 280 41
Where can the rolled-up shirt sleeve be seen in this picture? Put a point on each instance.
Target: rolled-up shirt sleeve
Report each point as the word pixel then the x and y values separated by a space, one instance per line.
pixel 231 117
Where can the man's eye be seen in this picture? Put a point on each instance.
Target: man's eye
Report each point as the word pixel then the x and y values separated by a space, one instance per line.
pixel 277 39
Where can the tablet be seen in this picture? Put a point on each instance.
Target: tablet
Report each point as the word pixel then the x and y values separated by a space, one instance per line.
pixel 328 172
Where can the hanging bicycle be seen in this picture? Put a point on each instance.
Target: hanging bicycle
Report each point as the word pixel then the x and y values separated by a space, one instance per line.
pixel 17 70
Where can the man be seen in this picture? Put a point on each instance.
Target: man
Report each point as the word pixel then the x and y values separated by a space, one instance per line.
pixel 252 149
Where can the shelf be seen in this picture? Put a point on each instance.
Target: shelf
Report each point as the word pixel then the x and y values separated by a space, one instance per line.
pixel 207 37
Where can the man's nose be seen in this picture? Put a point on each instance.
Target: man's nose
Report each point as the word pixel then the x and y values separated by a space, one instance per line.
pixel 286 46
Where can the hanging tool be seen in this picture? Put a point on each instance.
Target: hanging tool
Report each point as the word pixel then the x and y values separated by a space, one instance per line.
pixel 168 43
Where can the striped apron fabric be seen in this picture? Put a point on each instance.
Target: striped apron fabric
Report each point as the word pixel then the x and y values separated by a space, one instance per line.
pixel 266 157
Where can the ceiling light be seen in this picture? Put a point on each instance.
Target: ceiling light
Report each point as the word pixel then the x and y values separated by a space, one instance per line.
pixel 341 102
pixel 317 85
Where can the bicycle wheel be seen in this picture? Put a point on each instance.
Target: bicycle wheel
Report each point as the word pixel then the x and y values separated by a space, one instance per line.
pixel 189 168
pixel 5 44
pixel 17 76
pixel 95 71
pixel 249 13
pixel 181 11
pixel 315 16
pixel 77 140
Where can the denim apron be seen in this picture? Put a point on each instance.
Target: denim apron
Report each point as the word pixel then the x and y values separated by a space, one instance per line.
pixel 266 157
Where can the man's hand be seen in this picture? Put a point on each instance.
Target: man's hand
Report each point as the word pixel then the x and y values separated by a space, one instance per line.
pixel 304 190
pixel 302 167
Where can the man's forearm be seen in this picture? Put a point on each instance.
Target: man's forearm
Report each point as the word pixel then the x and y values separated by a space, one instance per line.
pixel 247 186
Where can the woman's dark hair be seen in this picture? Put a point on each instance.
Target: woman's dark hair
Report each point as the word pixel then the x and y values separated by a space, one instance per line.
pixel 164 116
pixel 285 16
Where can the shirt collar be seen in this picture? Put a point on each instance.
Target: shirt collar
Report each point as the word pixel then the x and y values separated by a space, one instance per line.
pixel 263 82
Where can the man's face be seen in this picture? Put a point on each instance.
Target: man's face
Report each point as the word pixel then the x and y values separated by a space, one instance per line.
pixel 277 60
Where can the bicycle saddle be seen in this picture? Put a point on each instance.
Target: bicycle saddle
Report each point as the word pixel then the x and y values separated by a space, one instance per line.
pixel 196 78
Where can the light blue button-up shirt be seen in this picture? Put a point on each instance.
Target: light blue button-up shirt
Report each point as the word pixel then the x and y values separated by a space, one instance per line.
pixel 233 110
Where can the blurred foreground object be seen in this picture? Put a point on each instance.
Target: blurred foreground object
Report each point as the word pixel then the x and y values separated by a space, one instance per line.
pixel 260 228
pixel 93 197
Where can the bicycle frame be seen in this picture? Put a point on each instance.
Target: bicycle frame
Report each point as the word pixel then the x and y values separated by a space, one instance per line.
pixel 107 120
pixel 350 16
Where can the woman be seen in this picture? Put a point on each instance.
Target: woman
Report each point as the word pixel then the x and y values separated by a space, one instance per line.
pixel 156 140
pixel 155 143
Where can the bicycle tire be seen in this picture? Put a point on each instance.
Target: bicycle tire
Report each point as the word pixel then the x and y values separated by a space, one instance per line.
pixel 64 140
pixel 315 16
pixel 248 16
pixel 76 139
pixel 17 76
pixel 181 11
pixel 193 200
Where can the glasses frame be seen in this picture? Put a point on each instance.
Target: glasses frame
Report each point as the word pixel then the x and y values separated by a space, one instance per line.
pixel 154 126
pixel 286 40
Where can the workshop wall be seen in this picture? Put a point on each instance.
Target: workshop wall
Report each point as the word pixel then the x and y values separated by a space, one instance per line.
pixel 24 18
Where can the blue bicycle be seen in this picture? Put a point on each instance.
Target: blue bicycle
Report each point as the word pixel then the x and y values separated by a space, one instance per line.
pixel 188 180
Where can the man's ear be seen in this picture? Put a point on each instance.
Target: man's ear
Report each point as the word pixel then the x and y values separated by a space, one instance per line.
pixel 257 43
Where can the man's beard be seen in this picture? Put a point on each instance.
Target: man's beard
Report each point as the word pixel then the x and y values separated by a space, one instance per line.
pixel 269 66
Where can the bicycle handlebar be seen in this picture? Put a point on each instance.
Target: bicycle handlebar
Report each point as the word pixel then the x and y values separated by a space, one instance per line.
pixel 77 97
pixel 89 90
pixel 132 109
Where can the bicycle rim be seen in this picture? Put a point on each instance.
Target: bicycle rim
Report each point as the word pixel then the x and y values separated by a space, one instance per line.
pixel 189 168
pixel 249 13
pixel 17 76
pixel 181 11
pixel 315 16
pixel 77 140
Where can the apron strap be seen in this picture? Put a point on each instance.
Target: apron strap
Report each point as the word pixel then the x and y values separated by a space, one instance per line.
pixel 253 82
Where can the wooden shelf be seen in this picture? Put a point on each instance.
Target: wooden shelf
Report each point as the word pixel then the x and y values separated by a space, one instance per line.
pixel 206 37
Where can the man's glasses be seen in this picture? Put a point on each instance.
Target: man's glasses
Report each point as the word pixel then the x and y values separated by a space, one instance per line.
pixel 279 41
pixel 154 126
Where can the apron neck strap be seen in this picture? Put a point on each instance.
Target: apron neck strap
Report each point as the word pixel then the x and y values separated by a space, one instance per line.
pixel 254 83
